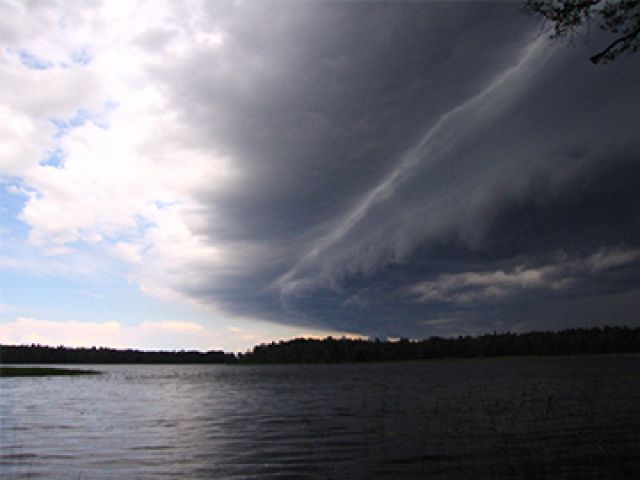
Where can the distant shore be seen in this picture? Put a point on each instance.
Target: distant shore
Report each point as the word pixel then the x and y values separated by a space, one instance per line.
pixel 42 371
pixel 576 341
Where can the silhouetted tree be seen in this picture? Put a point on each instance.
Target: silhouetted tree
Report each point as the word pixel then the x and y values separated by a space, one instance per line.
pixel 331 350
pixel 618 17
pixel 565 342
pixel 43 354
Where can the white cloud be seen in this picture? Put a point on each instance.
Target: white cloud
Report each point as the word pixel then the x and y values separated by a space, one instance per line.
pixel 473 286
pixel 468 287
pixel 127 252
pixel 161 335
pixel 220 157
pixel 135 165
pixel 127 180
pixel 147 335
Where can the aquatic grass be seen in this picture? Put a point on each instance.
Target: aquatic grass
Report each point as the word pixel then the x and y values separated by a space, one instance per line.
pixel 42 371
pixel 526 435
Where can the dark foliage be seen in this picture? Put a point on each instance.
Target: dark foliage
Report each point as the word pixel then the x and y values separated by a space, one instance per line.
pixel 618 17
pixel 43 354
pixel 565 342
pixel 332 350
pixel 42 372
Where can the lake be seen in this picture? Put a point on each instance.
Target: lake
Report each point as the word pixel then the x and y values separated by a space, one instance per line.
pixel 530 418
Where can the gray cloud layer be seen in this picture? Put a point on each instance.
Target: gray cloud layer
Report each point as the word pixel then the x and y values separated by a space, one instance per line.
pixel 414 168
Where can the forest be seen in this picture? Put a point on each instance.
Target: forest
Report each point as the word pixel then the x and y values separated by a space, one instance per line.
pixel 58 355
pixel 565 342
pixel 573 341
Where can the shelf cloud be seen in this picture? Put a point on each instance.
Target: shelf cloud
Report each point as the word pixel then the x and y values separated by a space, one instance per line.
pixel 394 169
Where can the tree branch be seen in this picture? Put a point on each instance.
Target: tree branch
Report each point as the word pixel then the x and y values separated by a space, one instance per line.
pixel 595 59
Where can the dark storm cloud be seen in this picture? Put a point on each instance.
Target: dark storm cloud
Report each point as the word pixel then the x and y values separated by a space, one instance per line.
pixel 317 101
pixel 411 168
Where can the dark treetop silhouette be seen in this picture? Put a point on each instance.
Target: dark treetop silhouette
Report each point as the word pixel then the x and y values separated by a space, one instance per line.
pixel 565 342
pixel 618 17
pixel 44 354
pixel 332 350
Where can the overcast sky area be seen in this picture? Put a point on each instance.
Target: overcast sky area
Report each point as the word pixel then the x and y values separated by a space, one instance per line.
pixel 214 175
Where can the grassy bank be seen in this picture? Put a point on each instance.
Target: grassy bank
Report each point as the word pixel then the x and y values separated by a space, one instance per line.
pixel 41 371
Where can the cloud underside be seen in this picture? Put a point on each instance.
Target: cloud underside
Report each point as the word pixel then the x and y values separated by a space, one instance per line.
pixel 395 169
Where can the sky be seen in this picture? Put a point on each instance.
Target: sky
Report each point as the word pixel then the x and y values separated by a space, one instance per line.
pixel 213 175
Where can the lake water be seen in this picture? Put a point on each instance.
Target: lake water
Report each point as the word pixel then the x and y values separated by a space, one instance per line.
pixel 568 418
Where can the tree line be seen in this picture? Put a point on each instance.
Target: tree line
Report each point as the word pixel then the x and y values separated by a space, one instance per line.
pixel 43 354
pixel 572 341
pixel 565 342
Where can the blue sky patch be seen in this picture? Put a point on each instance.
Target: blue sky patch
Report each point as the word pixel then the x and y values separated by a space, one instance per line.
pixel 82 57
pixel 32 61
pixel 54 158
pixel 82 116
pixel 11 204
pixel 64 125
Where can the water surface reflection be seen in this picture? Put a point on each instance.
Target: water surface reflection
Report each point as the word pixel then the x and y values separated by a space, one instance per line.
pixel 506 418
